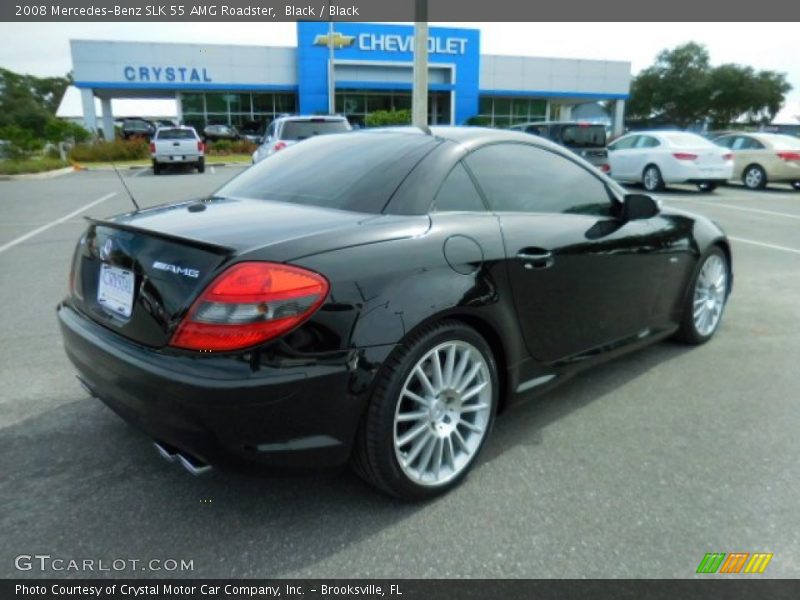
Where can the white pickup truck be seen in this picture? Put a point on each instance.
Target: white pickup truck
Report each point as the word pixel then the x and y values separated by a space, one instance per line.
pixel 177 145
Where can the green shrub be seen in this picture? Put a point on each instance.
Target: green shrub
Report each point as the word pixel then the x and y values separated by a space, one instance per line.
pixel 479 121
pixel 101 151
pixel 30 165
pixel 387 118
pixel 226 147
pixel 21 142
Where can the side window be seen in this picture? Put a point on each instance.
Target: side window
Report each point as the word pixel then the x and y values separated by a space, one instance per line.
pixel 532 129
pixel 752 144
pixel 725 142
pixel 646 141
pixel 624 143
pixel 458 193
pixel 740 143
pixel 524 178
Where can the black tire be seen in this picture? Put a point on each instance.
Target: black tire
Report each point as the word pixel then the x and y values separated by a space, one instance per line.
pixel 688 331
pixel 201 166
pixel 754 177
pixel 374 457
pixel 156 168
pixel 796 185
pixel 707 186
pixel 652 179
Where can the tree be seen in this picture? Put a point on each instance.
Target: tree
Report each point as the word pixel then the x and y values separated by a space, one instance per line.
pixel 30 102
pixel 682 88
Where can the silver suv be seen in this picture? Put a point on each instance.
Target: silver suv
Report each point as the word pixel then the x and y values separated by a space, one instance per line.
pixel 285 131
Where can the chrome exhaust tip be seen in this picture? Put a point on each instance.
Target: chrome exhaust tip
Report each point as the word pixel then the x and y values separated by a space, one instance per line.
pixel 190 463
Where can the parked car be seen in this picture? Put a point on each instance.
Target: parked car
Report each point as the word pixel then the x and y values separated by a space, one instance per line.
pixel 657 158
pixel 214 133
pixel 587 140
pixel 252 131
pixel 286 131
pixel 377 297
pixel 137 128
pixel 761 158
pixel 177 145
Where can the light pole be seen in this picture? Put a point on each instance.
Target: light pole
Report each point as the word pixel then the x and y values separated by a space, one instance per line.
pixel 331 82
pixel 419 94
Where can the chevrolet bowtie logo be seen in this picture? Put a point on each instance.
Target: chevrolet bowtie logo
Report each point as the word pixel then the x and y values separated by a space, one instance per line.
pixel 339 40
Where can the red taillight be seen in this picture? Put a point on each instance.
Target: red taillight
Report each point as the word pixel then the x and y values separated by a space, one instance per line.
pixel 727 156
pixel 200 146
pixel 789 155
pixel 248 304
pixel 605 168
pixel 279 146
pixel 152 148
pixel 684 155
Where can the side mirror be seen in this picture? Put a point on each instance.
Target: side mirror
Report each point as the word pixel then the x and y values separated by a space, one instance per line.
pixel 639 206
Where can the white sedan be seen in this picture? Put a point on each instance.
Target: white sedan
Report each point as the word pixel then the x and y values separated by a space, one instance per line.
pixel 656 158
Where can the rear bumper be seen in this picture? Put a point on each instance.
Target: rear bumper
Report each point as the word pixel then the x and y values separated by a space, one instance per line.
pixel 679 172
pixel 176 158
pixel 222 410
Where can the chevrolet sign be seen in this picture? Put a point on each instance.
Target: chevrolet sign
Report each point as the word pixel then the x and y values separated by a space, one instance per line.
pixel 339 40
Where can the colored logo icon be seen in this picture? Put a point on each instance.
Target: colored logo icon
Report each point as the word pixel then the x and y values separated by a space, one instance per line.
pixel 734 562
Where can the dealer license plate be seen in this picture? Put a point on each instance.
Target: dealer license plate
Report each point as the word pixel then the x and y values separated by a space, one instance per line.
pixel 115 290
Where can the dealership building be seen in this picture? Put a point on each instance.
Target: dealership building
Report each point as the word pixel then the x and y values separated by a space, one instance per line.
pixel 371 68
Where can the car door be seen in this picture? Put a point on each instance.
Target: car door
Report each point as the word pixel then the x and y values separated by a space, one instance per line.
pixel 621 156
pixel 581 277
pixel 645 151
pixel 748 150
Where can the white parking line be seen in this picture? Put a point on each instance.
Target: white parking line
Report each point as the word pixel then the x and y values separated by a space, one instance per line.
pixel 742 208
pixel 139 172
pixel 765 245
pixel 47 226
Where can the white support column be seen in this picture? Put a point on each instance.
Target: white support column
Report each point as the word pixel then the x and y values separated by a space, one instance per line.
pixel 566 112
pixel 108 118
pixel 179 108
pixel 89 114
pixel 619 117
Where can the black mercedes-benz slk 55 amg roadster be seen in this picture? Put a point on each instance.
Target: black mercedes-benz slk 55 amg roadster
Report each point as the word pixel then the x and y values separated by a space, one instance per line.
pixel 376 298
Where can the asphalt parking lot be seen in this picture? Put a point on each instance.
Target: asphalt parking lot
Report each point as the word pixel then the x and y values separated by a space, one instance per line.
pixel 635 469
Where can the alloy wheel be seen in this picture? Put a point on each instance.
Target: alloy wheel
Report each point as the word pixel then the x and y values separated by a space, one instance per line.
pixel 652 179
pixel 443 413
pixel 709 295
pixel 754 178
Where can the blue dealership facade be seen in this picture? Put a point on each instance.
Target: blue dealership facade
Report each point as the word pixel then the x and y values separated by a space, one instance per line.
pixel 371 70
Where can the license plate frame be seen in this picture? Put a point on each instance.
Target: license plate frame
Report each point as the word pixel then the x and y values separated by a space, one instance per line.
pixel 115 288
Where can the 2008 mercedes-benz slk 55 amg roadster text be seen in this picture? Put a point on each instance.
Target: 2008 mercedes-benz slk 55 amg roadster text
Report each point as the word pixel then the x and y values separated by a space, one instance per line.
pixel 377 297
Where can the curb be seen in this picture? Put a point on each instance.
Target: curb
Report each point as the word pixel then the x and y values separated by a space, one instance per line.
pixel 42 175
pixel 136 167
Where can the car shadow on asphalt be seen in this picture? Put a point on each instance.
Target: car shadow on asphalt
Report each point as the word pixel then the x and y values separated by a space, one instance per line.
pixel 79 482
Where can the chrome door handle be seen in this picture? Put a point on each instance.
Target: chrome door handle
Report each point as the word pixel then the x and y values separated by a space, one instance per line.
pixel 536 260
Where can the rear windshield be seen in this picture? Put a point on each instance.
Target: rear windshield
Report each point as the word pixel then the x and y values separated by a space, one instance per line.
pixel 584 136
pixel 300 130
pixel 355 171
pixel 175 134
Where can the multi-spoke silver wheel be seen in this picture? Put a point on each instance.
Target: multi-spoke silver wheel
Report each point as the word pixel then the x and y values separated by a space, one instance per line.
pixel 443 413
pixel 652 179
pixel 709 295
pixel 754 178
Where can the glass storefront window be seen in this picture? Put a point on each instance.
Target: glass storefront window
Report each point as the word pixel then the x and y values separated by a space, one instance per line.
pixel 504 112
pixel 192 103
pixel 234 108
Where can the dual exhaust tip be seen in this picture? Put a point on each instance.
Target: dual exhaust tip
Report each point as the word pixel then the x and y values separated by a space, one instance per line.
pixel 194 465
pixel 190 463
